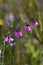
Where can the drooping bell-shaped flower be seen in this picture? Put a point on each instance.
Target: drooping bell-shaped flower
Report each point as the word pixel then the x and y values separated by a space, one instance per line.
pixel 11 39
pixel 35 23
pixel 8 39
pixel 18 33
pixel 27 28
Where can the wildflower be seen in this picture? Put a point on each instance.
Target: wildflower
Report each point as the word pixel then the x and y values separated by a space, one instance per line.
pixel 1 22
pixel 8 39
pixel 35 23
pixel 18 34
pixel 27 28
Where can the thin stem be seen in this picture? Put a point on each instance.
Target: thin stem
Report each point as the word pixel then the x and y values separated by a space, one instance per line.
pixel 3 54
pixel 40 22
pixel 37 34
pixel 20 52
pixel 10 51
pixel 20 45
pixel 0 33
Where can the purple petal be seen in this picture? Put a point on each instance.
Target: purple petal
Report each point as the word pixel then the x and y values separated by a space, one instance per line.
pixel 35 23
pixel 17 34
pixel 27 28
pixel 20 34
pixel 11 39
pixel 6 39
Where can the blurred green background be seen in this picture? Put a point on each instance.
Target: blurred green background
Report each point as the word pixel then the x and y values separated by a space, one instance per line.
pixel 28 50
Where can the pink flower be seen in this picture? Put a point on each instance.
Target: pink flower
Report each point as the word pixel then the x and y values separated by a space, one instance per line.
pixel 8 39
pixel 35 23
pixel 18 34
pixel 27 28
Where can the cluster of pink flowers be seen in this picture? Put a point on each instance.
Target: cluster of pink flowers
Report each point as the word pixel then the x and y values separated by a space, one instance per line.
pixel 28 28
pixel 9 39
pixel 10 17
pixel 19 33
